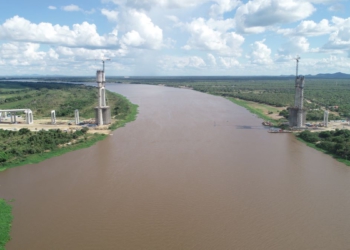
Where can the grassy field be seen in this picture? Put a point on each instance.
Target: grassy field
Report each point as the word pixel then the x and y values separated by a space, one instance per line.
pixel 261 110
pixel 5 223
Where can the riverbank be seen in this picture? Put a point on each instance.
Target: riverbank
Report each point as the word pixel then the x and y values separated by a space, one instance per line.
pixel 123 112
pixel 126 117
pixel 333 143
pixel 260 110
pixel 311 145
pixel 5 223
pixel 254 109
pixel 36 158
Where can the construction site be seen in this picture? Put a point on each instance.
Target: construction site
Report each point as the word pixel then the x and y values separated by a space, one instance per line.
pixel 15 119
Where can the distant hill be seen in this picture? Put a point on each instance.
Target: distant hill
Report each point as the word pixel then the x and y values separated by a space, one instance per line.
pixel 338 75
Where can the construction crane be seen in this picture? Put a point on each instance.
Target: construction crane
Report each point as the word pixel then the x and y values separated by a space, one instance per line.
pixel 297 59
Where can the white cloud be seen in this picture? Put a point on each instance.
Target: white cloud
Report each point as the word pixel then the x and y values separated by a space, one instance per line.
pixel 52 7
pixel 323 1
pixel 170 63
pixel 196 62
pixel 173 18
pixel 206 38
pixel 134 21
pixel 223 6
pixel 229 62
pixel 309 28
pixel 256 15
pixel 81 35
pixel 330 64
pixel 148 4
pixel 111 15
pixel 221 25
pixel 133 38
pixel 340 38
pixel 261 54
pixel 23 54
pixel 294 46
pixel 24 58
pixel 336 7
pixel 88 54
pixel 71 7
pixel 211 59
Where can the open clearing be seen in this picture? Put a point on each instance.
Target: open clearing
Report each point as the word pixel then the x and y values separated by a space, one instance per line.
pixel 45 124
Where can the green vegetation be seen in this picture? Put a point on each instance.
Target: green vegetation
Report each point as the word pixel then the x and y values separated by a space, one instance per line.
pixel 23 146
pixel 26 147
pixel 36 158
pixel 124 112
pixel 42 97
pixel 5 223
pixel 255 111
pixel 336 143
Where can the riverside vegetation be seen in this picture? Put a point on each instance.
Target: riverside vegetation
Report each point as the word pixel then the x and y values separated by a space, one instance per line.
pixel 336 143
pixel 5 223
pixel 23 146
pixel 42 97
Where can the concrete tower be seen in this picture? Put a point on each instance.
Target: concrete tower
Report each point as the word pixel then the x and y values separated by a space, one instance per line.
pixel 325 118
pixel 102 111
pixel 297 113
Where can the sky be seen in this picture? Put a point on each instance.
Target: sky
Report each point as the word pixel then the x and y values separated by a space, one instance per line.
pixel 174 37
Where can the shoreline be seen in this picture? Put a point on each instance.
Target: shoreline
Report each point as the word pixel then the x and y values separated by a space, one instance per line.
pixel 311 145
pixel 259 114
pixel 6 218
pixel 255 111
pixel 93 139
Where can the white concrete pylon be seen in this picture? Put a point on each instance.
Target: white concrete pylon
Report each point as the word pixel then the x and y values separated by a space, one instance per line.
pixel 76 116
pixel 325 118
pixel 53 117
pixel 31 120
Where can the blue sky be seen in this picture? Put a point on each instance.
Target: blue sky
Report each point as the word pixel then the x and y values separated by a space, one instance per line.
pixel 174 37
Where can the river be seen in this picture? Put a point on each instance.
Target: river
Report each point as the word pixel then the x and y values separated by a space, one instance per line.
pixel 194 171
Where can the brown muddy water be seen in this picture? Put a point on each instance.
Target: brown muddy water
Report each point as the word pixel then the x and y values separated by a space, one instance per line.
pixel 194 171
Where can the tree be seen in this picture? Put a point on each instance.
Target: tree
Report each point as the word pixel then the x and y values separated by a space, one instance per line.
pixel 3 157
pixel 284 113
pixel 309 136
pixel 24 131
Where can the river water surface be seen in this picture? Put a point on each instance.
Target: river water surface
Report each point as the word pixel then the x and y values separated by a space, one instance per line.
pixel 194 171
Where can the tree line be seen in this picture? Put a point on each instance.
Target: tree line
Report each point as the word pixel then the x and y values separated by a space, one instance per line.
pixel 15 146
